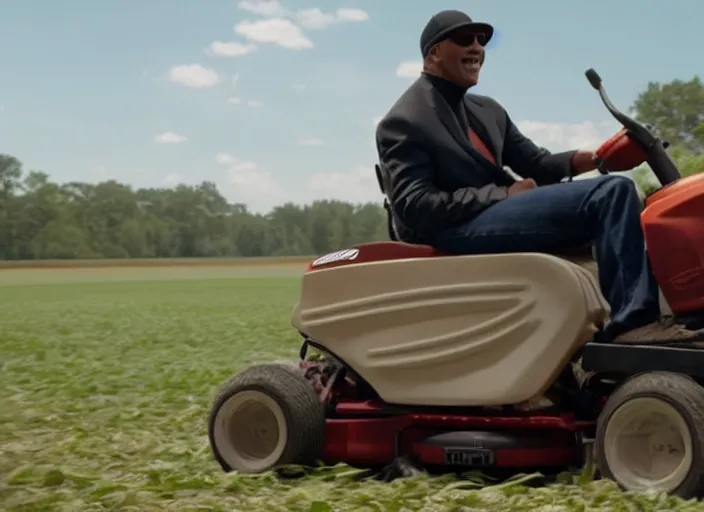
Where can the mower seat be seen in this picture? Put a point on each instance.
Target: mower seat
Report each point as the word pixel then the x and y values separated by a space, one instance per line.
pixel 384 251
pixel 397 249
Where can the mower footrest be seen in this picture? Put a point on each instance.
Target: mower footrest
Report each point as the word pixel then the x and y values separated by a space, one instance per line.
pixel 632 359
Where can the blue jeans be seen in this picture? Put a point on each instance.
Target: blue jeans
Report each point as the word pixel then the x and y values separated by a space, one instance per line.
pixel 604 210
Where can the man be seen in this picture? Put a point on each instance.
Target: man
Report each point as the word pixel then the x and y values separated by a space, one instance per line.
pixel 442 152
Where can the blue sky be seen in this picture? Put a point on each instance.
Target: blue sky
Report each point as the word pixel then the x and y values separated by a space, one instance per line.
pixel 88 86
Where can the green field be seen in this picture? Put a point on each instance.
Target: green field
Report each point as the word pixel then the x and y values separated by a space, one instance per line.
pixel 106 378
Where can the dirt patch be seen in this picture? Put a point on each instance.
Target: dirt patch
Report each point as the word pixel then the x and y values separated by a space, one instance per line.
pixel 39 276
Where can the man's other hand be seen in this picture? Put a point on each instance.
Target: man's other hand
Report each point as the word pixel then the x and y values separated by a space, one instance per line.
pixel 521 186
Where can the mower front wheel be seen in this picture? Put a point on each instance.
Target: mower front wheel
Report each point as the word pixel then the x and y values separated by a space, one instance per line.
pixel 267 416
pixel 650 435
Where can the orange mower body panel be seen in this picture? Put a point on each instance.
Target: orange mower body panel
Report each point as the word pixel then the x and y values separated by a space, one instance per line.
pixel 673 223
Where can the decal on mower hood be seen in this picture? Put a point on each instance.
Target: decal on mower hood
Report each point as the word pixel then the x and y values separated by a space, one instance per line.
pixel 345 255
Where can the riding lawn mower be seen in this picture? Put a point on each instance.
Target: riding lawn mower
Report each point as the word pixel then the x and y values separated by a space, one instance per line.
pixel 487 362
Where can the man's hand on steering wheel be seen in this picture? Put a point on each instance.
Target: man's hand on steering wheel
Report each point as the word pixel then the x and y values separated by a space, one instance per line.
pixel 583 161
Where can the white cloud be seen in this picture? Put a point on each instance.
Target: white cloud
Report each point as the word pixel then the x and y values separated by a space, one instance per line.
pixel 565 136
pixel 279 31
pixel 230 49
pixel 358 185
pixel 243 166
pixel 224 158
pixel 171 180
pixel 169 138
pixel 351 15
pixel 284 27
pixel 310 142
pixel 234 100
pixel 315 18
pixel 248 180
pixel 245 182
pixel 409 68
pixel 262 7
pixel 193 75
pixel 311 18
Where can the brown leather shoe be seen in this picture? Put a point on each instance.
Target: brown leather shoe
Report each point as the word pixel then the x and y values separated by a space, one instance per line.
pixel 660 332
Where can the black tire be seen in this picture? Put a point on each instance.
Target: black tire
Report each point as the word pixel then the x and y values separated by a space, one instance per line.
pixel 299 409
pixel 645 397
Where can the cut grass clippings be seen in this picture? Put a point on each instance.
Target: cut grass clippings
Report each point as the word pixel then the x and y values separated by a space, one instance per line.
pixel 105 389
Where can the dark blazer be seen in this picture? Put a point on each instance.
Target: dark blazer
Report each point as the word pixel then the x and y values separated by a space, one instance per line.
pixel 434 179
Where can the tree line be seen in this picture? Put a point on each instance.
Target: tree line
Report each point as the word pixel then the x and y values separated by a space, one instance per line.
pixel 41 219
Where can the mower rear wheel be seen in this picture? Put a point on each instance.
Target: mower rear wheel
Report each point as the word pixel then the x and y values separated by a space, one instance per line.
pixel 650 435
pixel 267 416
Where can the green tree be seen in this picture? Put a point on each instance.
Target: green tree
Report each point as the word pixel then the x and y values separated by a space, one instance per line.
pixel 676 108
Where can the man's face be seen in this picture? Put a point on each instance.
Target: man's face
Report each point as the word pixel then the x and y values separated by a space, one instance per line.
pixel 459 57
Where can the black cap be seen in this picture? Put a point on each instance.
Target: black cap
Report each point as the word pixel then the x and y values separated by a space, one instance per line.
pixel 445 22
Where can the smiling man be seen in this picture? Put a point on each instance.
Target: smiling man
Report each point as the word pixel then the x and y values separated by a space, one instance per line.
pixel 441 157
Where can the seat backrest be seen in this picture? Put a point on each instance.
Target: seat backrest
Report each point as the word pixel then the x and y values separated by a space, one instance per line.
pixel 389 218
pixel 380 178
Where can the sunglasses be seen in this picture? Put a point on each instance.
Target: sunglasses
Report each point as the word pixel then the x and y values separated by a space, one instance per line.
pixel 467 38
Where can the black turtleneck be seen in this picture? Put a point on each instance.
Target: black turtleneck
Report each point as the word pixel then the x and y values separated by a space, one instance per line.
pixel 453 94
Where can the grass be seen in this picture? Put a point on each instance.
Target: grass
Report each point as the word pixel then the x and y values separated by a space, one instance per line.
pixel 106 379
